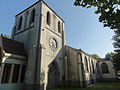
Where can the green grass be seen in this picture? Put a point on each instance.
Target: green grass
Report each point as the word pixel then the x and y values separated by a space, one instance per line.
pixel 98 86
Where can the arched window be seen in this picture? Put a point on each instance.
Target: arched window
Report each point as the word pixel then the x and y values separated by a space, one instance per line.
pixel 86 63
pixel 93 67
pixel 104 67
pixel 90 65
pixel 32 16
pixel 20 23
pixel 97 67
pixel 59 29
pixel 48 18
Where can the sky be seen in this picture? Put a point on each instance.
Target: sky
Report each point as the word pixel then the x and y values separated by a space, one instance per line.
pixel 82 27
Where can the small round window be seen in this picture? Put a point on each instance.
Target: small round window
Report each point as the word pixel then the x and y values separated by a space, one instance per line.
pixel 53 43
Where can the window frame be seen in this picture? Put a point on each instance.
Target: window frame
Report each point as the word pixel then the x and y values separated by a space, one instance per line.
pixel 20 23
pixel 48 18
pixel 59 27
pixel 93 68
pixel 105 68
pixel 32 16
pixel 86 63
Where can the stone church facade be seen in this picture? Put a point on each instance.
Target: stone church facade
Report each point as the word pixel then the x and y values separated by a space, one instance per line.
pixel 37 57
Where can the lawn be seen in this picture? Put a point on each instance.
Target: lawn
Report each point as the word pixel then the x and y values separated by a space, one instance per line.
pixel 98 86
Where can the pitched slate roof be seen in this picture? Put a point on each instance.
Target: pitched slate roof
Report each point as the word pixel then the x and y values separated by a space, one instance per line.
pixel 13 47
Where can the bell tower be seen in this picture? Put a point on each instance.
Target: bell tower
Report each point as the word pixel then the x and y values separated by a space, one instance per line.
pixel 42 32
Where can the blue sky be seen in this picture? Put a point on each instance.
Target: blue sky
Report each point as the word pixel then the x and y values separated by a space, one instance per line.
pixel 82 27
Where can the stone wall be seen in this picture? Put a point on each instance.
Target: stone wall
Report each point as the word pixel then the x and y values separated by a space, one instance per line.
pixel 12 86
pixel 28 34
pixel 48 54
pixel 80 68
pixel 110 76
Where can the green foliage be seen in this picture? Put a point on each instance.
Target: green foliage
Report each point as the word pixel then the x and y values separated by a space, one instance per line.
pixel 116 61
pixel 109 11
pixel 110 55
pixel 98 86
pixel 116 39
pixel 6 36
pixel 95 56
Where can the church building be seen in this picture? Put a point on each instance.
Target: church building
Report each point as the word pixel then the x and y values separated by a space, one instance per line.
pixel 37 57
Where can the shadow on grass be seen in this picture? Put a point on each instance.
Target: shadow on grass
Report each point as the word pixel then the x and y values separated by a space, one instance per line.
pixel 98 86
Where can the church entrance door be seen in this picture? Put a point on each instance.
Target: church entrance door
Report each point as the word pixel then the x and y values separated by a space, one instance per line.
pixel 53 75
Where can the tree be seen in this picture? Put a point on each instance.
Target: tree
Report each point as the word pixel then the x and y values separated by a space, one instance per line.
pixel 110 55
pixel 109 12
pixel 5 35
pixel 116 61
pixel 95 56
pixel 109 15
pixel 116 39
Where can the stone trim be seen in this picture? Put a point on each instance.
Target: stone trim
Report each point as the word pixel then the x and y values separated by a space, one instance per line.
pixel 1 74
pixel 11 74
pixel 19 76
